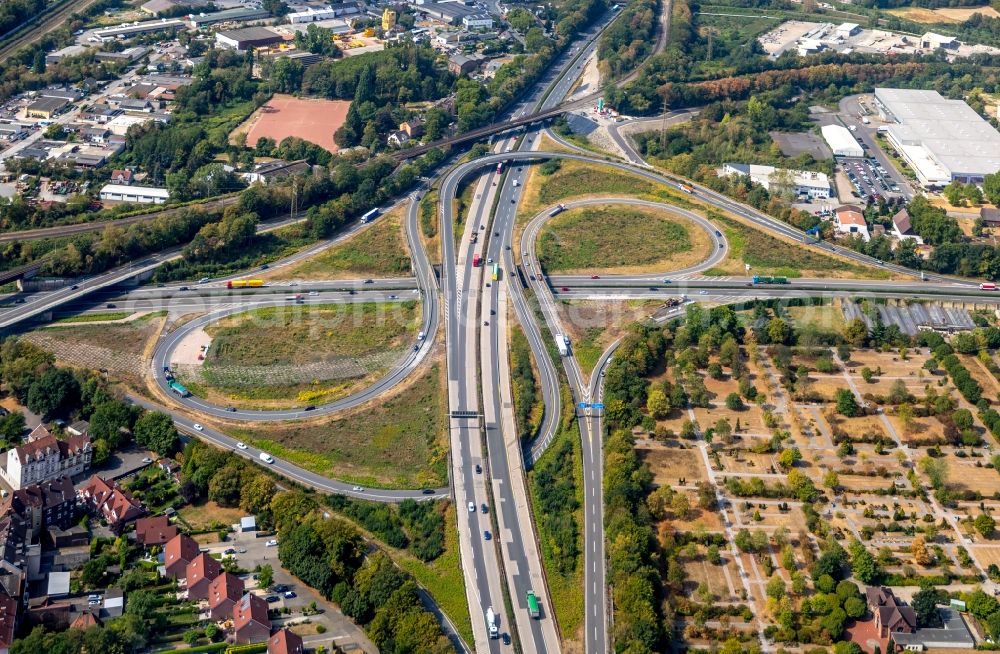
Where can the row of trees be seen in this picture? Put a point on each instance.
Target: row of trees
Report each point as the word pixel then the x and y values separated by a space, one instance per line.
pixel 331 556
pixel 629 39
pixel 633 572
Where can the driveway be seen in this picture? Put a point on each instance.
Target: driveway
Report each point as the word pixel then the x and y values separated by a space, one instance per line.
pixel 340 630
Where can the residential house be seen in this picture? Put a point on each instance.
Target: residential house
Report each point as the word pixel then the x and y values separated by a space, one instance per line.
pixel 398 138
pixel 271 170
pixel 51 503
pixel 177 554
pixel 463 65
pixel 284 642
pixel 122 177
pixel 43 457
pixel 250 621
pixel 891 615
pixel 113 603
pixel 85 621
pixel 223 594
pixel 200 574
pixel 96 134
pixel 990 216
pixel 849 221
pixel 114 504
pixel 154 530
pixel 902 229
pixel 414 127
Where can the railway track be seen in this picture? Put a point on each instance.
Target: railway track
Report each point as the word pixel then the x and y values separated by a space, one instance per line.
pixel 45 23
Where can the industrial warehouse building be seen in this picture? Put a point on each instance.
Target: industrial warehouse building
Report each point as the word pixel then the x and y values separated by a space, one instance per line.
pixel 137 194
pixel 841 141
pixel 815 186
pixel 942 140
pixel 247 38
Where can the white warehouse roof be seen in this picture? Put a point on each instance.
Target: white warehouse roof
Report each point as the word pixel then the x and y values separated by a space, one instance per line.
pixel 951 135
pixel 144 191
pixel 841 141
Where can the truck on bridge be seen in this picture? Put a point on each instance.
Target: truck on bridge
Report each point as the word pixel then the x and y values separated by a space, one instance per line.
pixel 562 342
pixel 245 283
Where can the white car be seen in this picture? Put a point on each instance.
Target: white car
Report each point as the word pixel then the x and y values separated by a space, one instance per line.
pixel 198 427
pixel 472 507
pixel 241 445
pixel 271 543
pixel 313 293
pixel 702 292
pixel 358 489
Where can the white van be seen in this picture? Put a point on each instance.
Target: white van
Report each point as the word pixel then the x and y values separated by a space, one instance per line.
pixel 266 458
pixel 421 336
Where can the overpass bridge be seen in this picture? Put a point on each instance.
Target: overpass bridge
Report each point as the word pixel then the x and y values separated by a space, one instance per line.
pixel 21 272
pixel 495 128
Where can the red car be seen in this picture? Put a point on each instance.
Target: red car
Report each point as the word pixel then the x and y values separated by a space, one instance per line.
pixel 595 277
pixel 564 289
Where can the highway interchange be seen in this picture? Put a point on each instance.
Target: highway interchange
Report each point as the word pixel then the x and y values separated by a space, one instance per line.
pixel 487 461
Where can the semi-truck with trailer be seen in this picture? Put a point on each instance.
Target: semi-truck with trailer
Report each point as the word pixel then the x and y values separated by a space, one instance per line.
pixel 245 283
pixel 559 208
pixel 765 279
pixel 178 388
pixel 370 215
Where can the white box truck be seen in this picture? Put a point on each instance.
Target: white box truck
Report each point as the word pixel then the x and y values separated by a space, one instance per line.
pixel 491 623
pixel 562 342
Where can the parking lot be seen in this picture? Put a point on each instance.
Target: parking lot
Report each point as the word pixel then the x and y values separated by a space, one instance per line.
pixel 869 179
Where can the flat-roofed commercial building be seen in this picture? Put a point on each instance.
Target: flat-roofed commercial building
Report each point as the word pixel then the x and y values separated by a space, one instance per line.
pixel 841 141
pixel 137 194
pixel 247 38
pixel 942 140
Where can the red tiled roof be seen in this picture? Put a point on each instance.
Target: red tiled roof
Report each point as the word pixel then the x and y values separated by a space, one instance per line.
pixel 284 642
pixel 202 567
pixel 225 586
pixel 850 217
pixel 155 530
pixel 85 621
pixel 114 503
pixel 180 548
pixel 250 608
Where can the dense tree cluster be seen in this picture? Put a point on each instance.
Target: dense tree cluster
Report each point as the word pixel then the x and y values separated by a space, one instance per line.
pixel 632 565
pixel 554 481
pixel 331 556
pixel 629 39
pixel 30 375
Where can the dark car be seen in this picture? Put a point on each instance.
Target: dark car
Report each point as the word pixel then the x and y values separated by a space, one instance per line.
pixel 111 305
pixel 311 407
pixel 271 599
pixel 183 288
pixel 231 409
pixel 505 638
pixel 352 292
pixel 368 281
pixel 265 267
pixel 485 508
pixel 229 550
pixel 74 287
pixel 280 588
pixel 479 469
pixel 428 491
